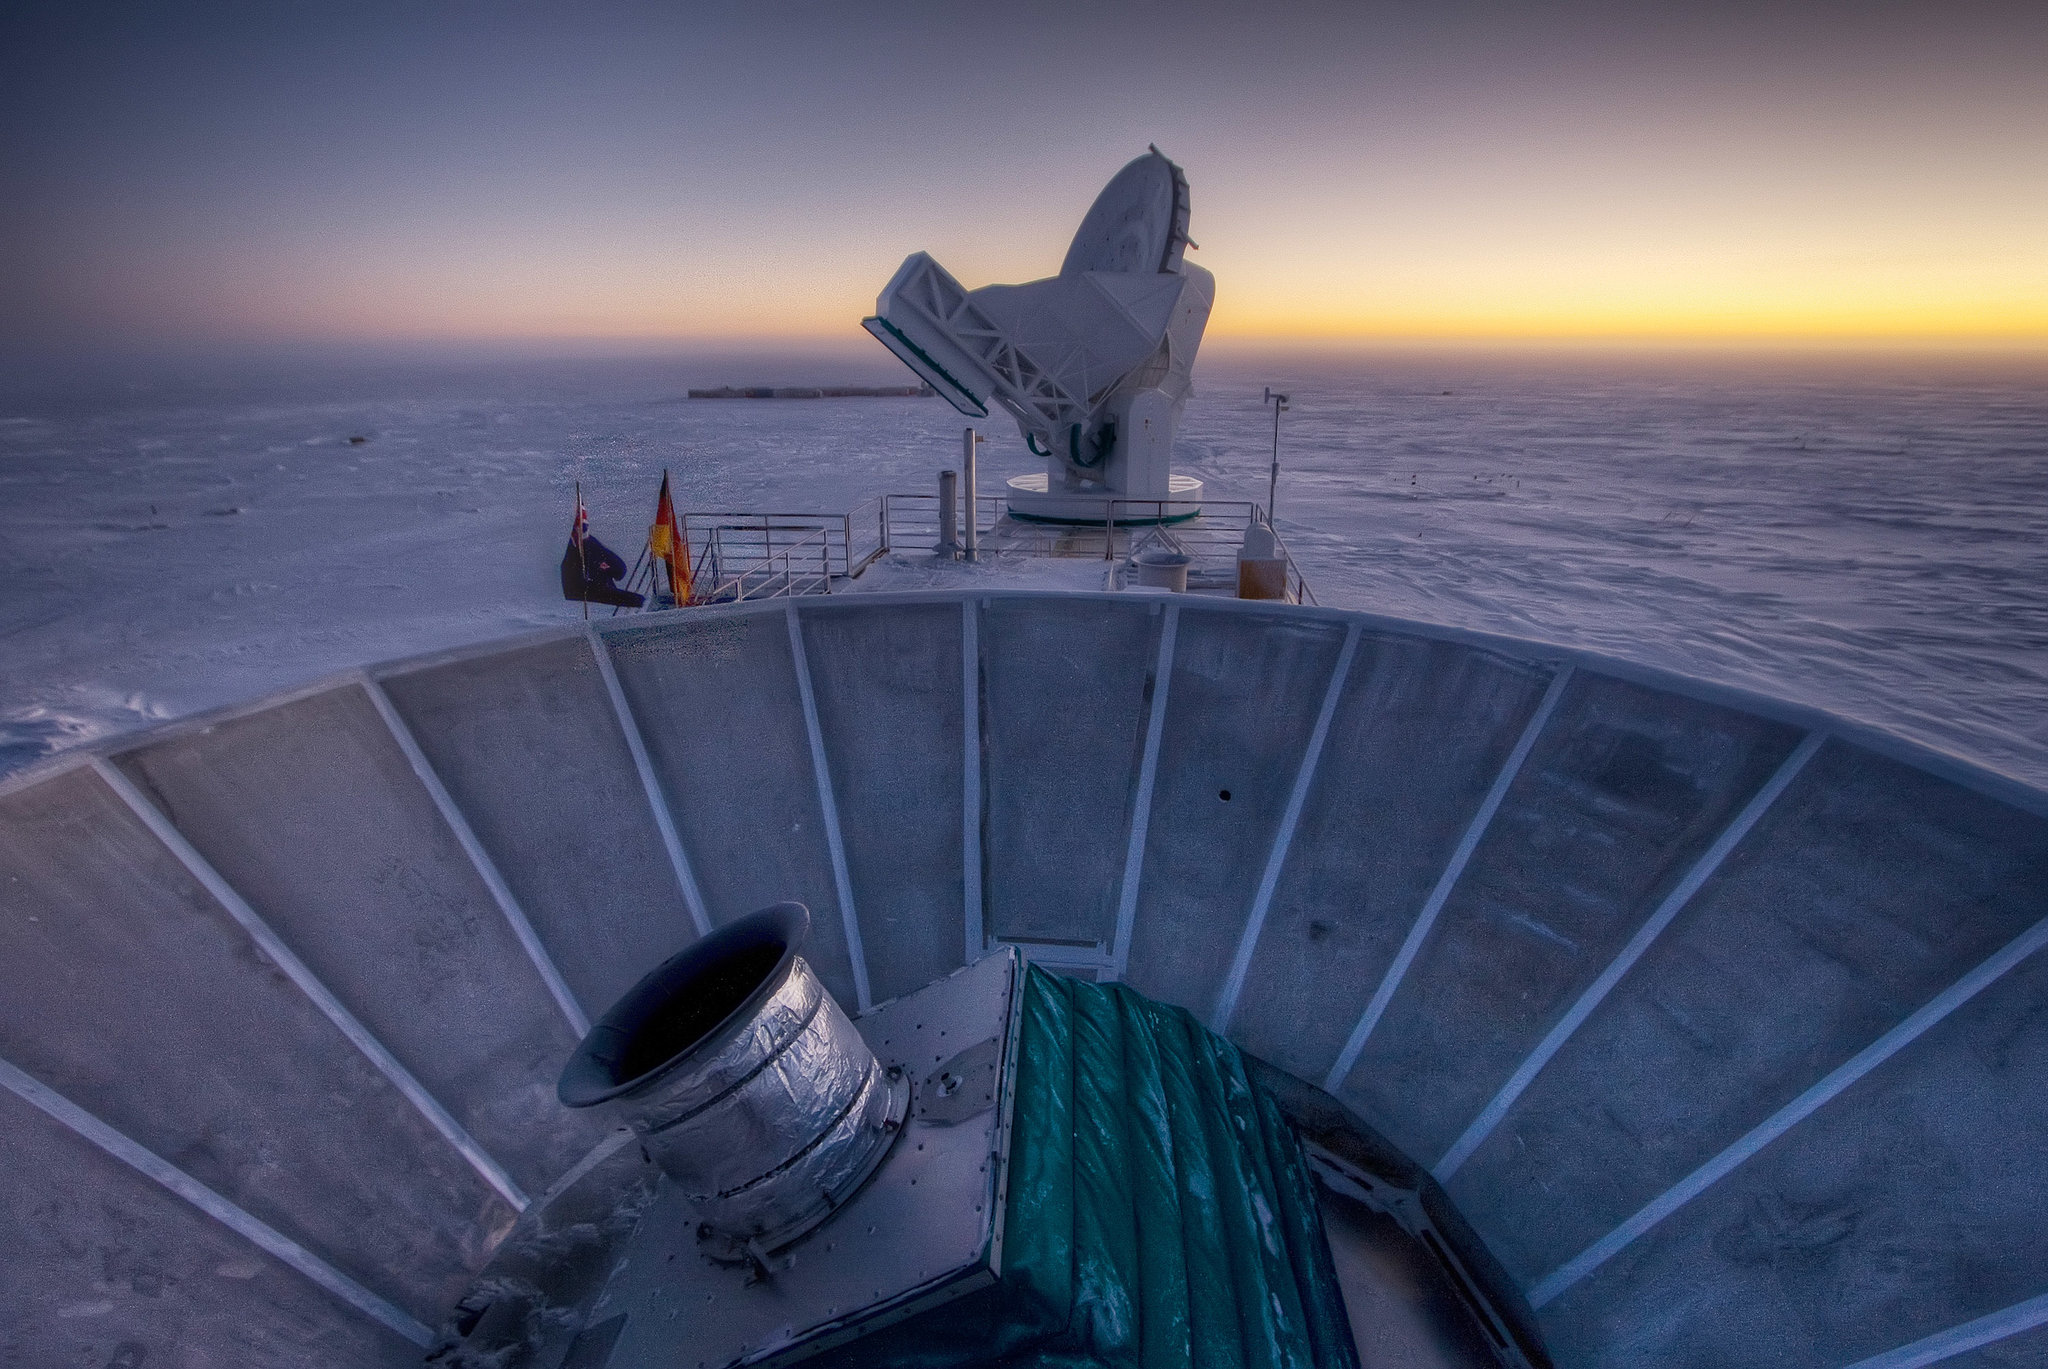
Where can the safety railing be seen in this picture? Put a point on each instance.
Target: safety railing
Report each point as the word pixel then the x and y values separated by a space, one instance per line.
pixel 911 521
pixel 760 535
pixel 1209 530
pixel 761 561
pixel 757 555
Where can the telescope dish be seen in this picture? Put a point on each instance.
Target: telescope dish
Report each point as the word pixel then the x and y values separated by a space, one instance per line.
pixel 1139 223
pixel 1095 364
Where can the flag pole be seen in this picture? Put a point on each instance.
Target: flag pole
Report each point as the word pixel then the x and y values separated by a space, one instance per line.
pixel 582 560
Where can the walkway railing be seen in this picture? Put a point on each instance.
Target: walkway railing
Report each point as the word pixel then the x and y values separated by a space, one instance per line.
pixel 762 561
pixel 759 555
pixel 853 538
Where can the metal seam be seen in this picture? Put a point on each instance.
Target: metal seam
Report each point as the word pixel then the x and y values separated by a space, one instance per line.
pixel 1283 839
pixel 1960 1339
pixel 1141 812
pixel 657 802
pixel 486 868
pixel 273 946
pixel 150 1165
pixel 835 844
pixel 1798 1110
pixel 1703 869
pixel 970 794
pixel 1426 919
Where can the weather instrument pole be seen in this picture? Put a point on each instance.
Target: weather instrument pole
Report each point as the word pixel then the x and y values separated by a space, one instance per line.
pixel 1279 403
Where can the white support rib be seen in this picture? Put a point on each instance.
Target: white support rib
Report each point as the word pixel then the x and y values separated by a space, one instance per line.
pixel 1491 1116
pixel 970 791
pixel 1792 1114
pixel 657 802
pixel 150 1165
pixel 486 868
pixel 1958 1340
pixel 296 970
pixel 1276 859
pixel 841 881
pixel 1426 919
pixel 1141 812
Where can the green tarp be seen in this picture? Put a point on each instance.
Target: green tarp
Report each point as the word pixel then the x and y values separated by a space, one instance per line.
pixel 1160 1215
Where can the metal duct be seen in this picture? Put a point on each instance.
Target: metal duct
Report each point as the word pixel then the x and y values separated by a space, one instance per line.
pixel 746 1082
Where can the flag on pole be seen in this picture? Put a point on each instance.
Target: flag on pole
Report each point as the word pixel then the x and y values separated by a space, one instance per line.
pixel 665 544
pixel 579 528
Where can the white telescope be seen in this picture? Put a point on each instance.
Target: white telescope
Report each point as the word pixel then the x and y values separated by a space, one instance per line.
pixel 1095 364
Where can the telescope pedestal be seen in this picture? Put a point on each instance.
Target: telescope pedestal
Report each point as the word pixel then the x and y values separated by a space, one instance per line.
pixel 1033 499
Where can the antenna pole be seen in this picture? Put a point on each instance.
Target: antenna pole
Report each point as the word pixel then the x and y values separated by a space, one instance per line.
pixel 1279 403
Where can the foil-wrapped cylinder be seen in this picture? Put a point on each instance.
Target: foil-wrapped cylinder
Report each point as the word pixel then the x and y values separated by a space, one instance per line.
pixel 746 1082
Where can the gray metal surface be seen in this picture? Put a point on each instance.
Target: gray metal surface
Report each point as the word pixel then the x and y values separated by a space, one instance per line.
pixel 313 814
pixel 127 990
pixel 604 900
pixel 1065 684
pixel 923 1228
pixel 892 727
pixel 717 702
pixel 1750 1078
pixel 1619 796
pixel 1205 852
pixel 105 1267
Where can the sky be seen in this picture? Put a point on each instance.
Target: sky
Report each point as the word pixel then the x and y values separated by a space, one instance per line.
pixel 1862 174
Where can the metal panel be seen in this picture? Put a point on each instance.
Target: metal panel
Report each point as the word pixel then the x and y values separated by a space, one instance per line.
pixel 1141 797
pixel 486 868
pixel 1454 870
pixel 125 988
pixel 1868 889
pixel 828 811
pixel 1067 682
pixel 715 694
pixel 1283 839
pixel 174 1180
pixel 1243 703
pixel 974 922
pixel 1673 903
pixel 1623 791
pixel 313 814
pixel 528 746
pixel 1421 732
pixel 658 806
pixel 106 1267
pixel 2006 1339
pixel 887 683
pixel 1896 1200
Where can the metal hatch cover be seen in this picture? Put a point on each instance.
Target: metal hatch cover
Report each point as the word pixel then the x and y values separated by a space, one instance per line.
pixel 927 1228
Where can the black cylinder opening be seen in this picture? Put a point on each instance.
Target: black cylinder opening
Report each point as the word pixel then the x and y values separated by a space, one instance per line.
pixel 684 1003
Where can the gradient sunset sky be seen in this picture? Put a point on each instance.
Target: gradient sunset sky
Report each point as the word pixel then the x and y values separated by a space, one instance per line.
pixel 1777 173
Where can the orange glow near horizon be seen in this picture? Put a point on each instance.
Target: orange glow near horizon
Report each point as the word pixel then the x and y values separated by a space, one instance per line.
pixel 1388 292
pixel 1825 174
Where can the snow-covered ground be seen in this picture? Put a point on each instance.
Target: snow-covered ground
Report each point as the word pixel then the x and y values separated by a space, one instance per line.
pixel 1870 537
